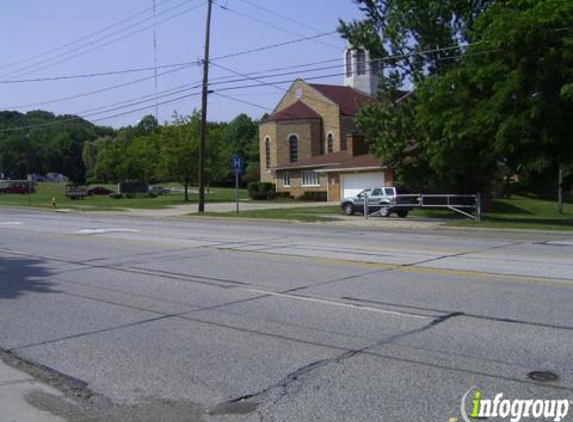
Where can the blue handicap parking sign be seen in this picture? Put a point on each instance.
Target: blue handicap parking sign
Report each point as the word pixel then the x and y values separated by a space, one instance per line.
pixel 237 162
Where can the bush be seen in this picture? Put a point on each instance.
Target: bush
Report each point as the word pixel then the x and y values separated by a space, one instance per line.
pixel 116 195
pixel 261 190
pixel 313 196
pixel 150 195
pixel 283 195
pixel 133 187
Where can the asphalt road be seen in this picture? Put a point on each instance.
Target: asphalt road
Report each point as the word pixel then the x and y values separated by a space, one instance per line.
pixel 202 320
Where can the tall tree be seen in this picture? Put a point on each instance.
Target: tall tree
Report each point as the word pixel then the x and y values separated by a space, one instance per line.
pixel 503 101
pixel 397 31
pixel 242 138
pixel 180 143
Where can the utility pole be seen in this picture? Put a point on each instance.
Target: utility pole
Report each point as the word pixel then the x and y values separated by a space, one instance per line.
pixel 27 152
pixel 203 135
pixel 560 191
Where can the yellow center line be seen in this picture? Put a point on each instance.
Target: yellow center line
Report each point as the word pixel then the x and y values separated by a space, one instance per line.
pixel 414 269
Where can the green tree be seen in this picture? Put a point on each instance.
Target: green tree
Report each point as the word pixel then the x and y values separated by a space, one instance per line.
pixel 507 100
pixel 89 157
pixel 180 142
pixel 109 158
pixel 242 138
pixel 396 31
pixel 503 103
pixel 142 159
pixel 146 125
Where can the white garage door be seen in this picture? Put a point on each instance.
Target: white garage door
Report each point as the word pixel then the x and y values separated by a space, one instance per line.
pixel 352 184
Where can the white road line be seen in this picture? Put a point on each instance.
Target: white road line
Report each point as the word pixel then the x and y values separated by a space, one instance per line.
pixel 106 231
pixel 565 242
pixel 11 223
pixel 332 303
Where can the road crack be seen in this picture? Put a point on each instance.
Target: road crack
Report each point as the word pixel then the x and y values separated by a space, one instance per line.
pixel 299 374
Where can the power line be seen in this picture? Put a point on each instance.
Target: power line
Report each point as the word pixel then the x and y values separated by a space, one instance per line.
pixel 275 84
pixel 137 100
pixel 178 90
pixel 289 19
pixel 252 76
pixel 134 102
pixel 227 80
pixel 384 59
pixel 78 40
pixel 96 74
pixel 174 100
pixel 109 109
pixel 272 46
pixel 217 80
pixel 243 102
pixel 35 68
pixel 98 91
pixel 274 26
pixel 141 69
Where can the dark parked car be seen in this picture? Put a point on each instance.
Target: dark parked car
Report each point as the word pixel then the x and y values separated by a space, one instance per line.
pixel 18 189
pixel 99 190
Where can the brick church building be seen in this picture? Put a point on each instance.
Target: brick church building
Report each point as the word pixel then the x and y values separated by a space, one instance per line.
pixel 310 141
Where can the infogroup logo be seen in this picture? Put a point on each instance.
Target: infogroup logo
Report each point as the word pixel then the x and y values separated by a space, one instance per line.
pixel 514 410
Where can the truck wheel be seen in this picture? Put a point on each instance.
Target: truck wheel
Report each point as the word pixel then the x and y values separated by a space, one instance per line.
pixel 384 211
pixel 402 213
pixel 348 208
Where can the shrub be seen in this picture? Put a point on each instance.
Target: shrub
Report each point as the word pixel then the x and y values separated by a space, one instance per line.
pixel 283 195
pixel 150 195
pixel 133 187
pixel 116 195
pixel 313 196
pixel 261 190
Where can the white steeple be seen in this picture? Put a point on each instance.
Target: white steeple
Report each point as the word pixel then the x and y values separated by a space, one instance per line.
pixel 360 72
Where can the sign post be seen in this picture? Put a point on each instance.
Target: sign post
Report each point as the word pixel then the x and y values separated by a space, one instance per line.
pixel 237 163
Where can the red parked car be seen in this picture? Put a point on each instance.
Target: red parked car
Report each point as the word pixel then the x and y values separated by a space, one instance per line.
pixel 99 190
pixel 21 189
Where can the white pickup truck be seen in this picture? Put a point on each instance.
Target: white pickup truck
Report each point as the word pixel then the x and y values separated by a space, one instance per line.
pixel 384 199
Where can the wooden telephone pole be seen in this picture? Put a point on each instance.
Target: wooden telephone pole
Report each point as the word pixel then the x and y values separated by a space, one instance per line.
pixel 204 96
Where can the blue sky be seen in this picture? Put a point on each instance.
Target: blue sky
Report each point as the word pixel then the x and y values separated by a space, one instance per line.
pixel 43 39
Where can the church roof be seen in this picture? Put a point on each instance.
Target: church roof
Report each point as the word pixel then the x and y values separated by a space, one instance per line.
pixel 298 110
pixel 349 100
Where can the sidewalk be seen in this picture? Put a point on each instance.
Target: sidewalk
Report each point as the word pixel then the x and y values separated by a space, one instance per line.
pixel 182 210
pixel 14 387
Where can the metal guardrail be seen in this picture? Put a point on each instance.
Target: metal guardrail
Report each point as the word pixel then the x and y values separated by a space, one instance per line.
pixel 461 204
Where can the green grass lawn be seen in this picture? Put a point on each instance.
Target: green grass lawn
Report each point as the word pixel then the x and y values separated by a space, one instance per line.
pixel 524 212
pixel 46 191
pixel 518 212
pixel 304 214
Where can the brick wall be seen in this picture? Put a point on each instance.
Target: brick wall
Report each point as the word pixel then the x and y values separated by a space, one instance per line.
pixel 268 129
pixel 328 111
pixel 296 189
pixel 304 130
